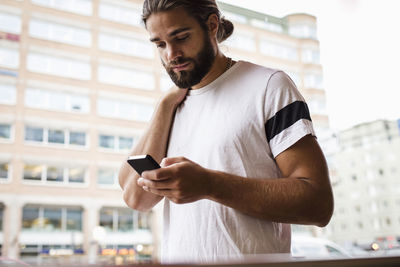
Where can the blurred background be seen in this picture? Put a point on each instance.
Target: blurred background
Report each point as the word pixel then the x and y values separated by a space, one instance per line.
pixel 79 81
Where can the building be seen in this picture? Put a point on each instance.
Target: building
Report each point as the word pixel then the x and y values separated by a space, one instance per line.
pixel 366 186
pixel 78 83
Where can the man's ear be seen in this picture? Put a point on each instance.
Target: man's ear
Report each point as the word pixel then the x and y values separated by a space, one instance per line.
pixel 213 24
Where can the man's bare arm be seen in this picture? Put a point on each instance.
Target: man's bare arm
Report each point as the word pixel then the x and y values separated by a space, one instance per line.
pixel 154 142
pixel 302 196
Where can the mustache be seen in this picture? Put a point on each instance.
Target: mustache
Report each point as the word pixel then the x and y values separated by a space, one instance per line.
pixel 178 61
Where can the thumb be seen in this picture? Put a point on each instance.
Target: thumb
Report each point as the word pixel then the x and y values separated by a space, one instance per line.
pixel 169 161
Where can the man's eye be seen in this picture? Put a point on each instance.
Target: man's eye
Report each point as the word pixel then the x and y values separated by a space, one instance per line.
pixel 182 38
pixel 160 45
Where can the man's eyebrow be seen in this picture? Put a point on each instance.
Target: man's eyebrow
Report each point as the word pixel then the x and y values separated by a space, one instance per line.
pixel 177 31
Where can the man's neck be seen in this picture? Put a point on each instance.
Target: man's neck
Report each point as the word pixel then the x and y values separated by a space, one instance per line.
pixel 217 68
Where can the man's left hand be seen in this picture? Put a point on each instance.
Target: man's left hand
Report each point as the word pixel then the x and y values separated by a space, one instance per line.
pixel 180 180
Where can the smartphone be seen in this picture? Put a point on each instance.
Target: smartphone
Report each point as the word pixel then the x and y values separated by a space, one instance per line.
pixel 143 163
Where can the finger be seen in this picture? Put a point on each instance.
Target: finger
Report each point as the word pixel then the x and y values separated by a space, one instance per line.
pixel 162 184
pixel 160 192
pixel 169 161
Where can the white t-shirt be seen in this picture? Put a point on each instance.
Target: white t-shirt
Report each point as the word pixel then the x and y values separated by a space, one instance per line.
pixel 237 124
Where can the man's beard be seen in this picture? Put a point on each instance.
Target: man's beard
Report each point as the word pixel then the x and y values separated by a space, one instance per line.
pixel 201 66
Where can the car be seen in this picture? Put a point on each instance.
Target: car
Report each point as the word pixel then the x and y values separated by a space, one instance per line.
pixel 314 248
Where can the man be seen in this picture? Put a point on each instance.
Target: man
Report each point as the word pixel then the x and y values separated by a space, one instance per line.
pixel 236 144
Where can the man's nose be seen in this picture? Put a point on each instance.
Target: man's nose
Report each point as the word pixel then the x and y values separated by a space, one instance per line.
pixel 173 52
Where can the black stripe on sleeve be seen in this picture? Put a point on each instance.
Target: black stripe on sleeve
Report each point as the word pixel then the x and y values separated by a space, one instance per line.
pixel 286 117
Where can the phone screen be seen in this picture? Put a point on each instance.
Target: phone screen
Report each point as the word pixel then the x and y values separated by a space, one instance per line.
pixel 143 163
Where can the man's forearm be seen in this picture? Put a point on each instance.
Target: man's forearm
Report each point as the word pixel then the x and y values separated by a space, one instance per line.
pixel 154 142
pixel 288 200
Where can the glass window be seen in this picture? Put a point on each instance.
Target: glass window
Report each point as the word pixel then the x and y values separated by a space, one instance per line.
pixel 52 219
pixel 77 138
pixel 106 176
pixel 125 45
pixel 143 220
pixel 106 141
pixel 143 112
pixel 125 142
pixel 55 174
pixel 9 58
pixel 106 107
pixel 8 94
pixel 303 31
pixel 273 49
pixel 74 219
pixel 58 66
pixel 125 220
pixel 126 77
pixel 76 175
pixel 30 217
pixel 56 136
pixel 10 23
pixel 4 167
pixel 35 98
pixel 266 25
pixel 79 103
pixel 83 7
pixel 310 56
pixel 121 14
pixel 243 41
pixel 33 172
pixel 313 81
pixel 59 32
pixel 106 218
pixel 57 101
pixel 1 218
pixel 5 131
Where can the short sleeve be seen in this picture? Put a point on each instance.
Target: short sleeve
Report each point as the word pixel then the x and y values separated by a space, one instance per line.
pixel 287 117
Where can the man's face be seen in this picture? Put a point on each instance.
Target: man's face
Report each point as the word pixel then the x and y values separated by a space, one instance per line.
pixel 185 47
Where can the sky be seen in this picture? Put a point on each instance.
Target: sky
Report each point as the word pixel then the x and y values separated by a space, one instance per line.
pixel 359 51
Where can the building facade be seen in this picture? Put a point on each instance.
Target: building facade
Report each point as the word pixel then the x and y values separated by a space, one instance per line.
pixel 367 185
pixel 79 81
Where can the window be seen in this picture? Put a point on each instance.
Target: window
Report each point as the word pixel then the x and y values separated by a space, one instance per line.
pixel 9 57
pixel 123 219
pixel 83 7
pixel 266 25
pixel 34 134
pixel 5 131
pixel 125 45
pixel 54 173
pixel 106 218
pixel 76 175
pixel 121 14
pixel 235 17
pixel 10 23
pixel 117 143
pixel 303 31
pixel 52 31
pixel 1 217
pixel 50 218
pixel 33 172
pixel 107 176
pixel 4 170
pixel 59 66
pixel 122 109
pixel 310 56
pixel 313 81
pixel 243 41
pixel 8 94
pixel 77 138
pixel 274 49
pixel 55 100
pixel 126 77
pixel 55 136
pixel 74 219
